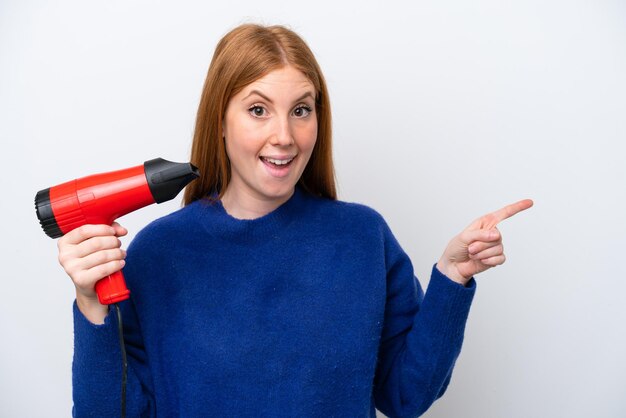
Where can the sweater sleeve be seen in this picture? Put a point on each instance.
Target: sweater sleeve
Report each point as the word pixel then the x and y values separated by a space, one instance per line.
pixel 97 367
pixel 421 337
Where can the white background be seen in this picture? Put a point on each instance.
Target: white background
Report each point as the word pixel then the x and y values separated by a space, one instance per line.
pixel 443 111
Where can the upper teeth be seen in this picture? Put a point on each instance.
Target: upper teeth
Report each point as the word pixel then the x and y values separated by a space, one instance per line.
pixel 278 162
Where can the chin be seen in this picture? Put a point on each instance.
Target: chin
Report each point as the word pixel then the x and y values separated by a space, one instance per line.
pixel 278 191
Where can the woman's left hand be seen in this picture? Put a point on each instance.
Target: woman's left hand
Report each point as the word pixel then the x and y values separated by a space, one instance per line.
pixel 479 246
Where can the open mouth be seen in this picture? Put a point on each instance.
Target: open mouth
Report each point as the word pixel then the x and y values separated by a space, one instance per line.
pixel 279 163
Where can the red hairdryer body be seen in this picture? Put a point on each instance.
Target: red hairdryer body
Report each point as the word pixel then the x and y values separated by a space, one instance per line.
pixel 102 198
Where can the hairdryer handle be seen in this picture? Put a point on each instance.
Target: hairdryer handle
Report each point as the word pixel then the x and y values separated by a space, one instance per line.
pixel 112 289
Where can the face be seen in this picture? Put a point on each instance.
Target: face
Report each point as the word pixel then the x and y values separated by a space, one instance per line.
pixel 270 128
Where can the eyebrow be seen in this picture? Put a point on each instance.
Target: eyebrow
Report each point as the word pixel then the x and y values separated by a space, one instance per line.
pixel 307 94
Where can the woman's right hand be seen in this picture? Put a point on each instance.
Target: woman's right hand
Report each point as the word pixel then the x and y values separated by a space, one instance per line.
pixel 88 254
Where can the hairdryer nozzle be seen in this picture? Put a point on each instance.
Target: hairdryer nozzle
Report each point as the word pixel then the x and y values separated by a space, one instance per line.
pixel 45 214
pixel 166 179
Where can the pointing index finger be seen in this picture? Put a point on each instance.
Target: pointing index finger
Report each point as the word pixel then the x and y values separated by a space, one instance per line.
pixel 508 211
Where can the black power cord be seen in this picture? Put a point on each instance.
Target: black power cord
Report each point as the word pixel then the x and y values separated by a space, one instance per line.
pixel 120 330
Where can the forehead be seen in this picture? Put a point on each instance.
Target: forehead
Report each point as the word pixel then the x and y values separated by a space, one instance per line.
pixel 285 78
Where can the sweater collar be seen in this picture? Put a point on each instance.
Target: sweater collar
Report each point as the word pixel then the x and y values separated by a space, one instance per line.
pixel 249 231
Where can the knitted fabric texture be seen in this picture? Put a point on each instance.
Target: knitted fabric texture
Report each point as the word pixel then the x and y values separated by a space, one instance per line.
pixel 312 310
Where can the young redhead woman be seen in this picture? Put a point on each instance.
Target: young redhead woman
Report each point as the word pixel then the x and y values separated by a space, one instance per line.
pixel 265 295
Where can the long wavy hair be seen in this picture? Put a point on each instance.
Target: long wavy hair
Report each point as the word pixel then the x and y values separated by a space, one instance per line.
pixel 242 56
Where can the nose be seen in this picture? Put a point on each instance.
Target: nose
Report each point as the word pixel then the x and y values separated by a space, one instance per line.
pixel 282 135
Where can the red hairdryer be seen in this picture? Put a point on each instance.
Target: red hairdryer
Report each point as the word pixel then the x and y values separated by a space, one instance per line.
pixel 102 198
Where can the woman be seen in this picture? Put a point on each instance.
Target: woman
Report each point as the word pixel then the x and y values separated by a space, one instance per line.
pixel 264 295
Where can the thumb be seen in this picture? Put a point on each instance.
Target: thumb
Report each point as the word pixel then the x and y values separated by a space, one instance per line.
pixel 120 231
pixel 485 235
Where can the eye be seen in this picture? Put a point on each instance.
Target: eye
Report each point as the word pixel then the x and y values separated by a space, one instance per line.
pixel 257 111
pixel 302 111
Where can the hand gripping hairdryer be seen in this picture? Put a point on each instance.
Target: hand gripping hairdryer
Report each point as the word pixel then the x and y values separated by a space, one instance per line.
pixel 102 198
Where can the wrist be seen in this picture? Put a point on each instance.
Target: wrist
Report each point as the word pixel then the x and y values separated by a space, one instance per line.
pixel 91 308
pixel 451 272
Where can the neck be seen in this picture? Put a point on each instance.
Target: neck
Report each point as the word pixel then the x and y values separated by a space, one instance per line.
pixel 243 205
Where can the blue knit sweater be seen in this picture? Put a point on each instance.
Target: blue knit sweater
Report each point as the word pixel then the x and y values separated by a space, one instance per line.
pixel 310 311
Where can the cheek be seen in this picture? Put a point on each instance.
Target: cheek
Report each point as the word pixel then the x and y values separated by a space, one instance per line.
pixel 308 137
pixel 241 139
